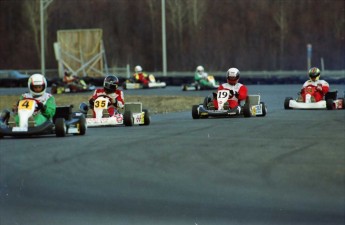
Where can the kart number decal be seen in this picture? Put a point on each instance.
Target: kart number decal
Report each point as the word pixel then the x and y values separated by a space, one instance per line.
pixel 223 94
pixel 100 103
pixel 26 104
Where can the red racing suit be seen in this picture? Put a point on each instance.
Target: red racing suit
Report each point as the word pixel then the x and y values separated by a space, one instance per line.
pixel 238 92
pixel 321 87
pixel 115 97
pixel 141 78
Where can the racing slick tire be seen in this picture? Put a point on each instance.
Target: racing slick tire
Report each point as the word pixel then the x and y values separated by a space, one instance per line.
pixel 195 113
pixel 60 127
pixel 246 110
pixel 146 117
pixel 128 118
pixel 264 110
pixel 287 102
pixel 82 125
pixel 329 104
pixel 206 101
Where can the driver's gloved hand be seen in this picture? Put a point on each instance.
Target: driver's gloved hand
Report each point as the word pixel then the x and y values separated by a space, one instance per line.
pixel 41 106
pixel 91 102
pixel 236 94
pixel 319 87
pixel 114 103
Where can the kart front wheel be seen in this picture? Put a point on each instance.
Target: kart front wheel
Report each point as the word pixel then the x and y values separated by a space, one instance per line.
pixel 82 125
pixel 128 118
pixel 287 103
pixel 246 110
pixel 146 117
pixel 195 112
pixel 60 127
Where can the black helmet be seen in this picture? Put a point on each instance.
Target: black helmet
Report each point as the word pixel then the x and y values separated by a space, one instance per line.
pixel 314 72
pixel 110 83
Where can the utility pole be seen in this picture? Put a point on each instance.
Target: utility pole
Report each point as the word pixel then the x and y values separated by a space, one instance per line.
pixel 43 6
pixel 164 47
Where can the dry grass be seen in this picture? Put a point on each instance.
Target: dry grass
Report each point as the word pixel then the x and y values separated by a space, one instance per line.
pixel 155 104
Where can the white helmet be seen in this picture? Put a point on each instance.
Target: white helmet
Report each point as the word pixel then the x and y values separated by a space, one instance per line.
pixel 138 69
pixel 200 69
pixel 232 76
pixel 37 80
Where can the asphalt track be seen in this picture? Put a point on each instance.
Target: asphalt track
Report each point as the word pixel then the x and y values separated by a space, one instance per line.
pixel 285 168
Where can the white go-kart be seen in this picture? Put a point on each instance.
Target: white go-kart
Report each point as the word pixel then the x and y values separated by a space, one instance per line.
pixel 133 114
pixel 252 107
pixel 330 101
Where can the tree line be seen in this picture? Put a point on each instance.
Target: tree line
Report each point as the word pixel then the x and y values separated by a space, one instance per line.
pixel 218 34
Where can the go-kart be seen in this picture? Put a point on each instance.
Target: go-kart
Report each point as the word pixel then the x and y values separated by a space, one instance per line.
pixel 152 83
pixel 195 86
pixel 330 101
pixel 64 121
pixel 133 114
pixel 252 107
pixel 80 86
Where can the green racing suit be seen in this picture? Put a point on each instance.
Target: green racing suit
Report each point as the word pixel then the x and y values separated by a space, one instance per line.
pixel 43 115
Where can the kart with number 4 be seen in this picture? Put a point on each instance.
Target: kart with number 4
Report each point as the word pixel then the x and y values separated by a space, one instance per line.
pixel 330 101
pixel 133 114
pixel 64 121
pixel 252 107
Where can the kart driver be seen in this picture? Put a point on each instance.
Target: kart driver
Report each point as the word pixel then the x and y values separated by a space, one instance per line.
pixel 46 107
pixel 201 77
pixel 110 90
pixel 139 76
pixel 238 91
pixel 321 86
pixel 69 79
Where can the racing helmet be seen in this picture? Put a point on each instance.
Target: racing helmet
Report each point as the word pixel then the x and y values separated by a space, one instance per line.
pixel 200 69
pixel 314 73
pixel 138 69
pixel 110 84
pixel 232 76
pixel 37 85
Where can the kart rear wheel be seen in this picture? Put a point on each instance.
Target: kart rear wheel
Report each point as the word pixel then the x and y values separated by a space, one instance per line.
pixel 287 102
pixel 264 109
pixel 60 127
pixel 195 112
pixel 128 118
pixel 184 87
pixel 82 125
pixel 246 110
pixel 146 117
pixel 329 104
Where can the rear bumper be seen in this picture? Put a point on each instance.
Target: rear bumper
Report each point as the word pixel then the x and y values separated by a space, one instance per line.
pixel 45 128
